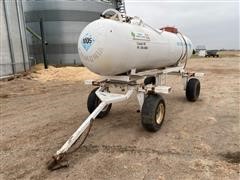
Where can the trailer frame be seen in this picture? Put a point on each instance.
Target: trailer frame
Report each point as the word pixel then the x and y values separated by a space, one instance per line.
pixel 128 83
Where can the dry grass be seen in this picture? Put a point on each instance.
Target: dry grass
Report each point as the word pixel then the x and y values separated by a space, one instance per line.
pixel 63 73
pixel 229 53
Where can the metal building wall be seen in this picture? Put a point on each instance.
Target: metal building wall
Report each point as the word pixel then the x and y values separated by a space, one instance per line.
pixel 13 47
pixel 63 23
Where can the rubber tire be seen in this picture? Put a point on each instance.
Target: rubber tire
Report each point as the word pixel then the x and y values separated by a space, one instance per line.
pixel 193 89
pixel 93 102
pixel 150 80
pixel 148 113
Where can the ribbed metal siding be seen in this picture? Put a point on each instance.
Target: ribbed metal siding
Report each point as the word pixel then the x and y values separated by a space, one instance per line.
pixel 63 23
pixel 13 47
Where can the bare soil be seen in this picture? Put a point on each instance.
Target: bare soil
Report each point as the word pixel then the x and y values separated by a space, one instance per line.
pixel 198 140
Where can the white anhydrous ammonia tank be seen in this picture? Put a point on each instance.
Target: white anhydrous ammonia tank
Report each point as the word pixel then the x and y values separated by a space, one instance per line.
pixel 109 47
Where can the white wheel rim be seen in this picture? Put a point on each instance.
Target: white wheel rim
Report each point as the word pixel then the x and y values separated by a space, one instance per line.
pixel 160 113
pixel 105 108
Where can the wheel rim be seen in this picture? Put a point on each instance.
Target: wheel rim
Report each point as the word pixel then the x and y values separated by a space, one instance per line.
pixel 160 113
pixel 98 101
pixel 105 108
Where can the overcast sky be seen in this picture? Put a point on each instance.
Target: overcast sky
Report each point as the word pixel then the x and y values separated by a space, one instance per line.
pixel 214 24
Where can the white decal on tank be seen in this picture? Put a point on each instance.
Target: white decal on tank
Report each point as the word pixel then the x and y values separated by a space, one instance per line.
pixel 140 36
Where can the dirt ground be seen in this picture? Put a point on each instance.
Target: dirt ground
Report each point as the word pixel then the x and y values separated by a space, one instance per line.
pixel 200 140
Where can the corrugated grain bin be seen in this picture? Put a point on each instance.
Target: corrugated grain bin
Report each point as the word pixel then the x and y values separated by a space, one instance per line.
pixel 13 46
pixel 63 23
